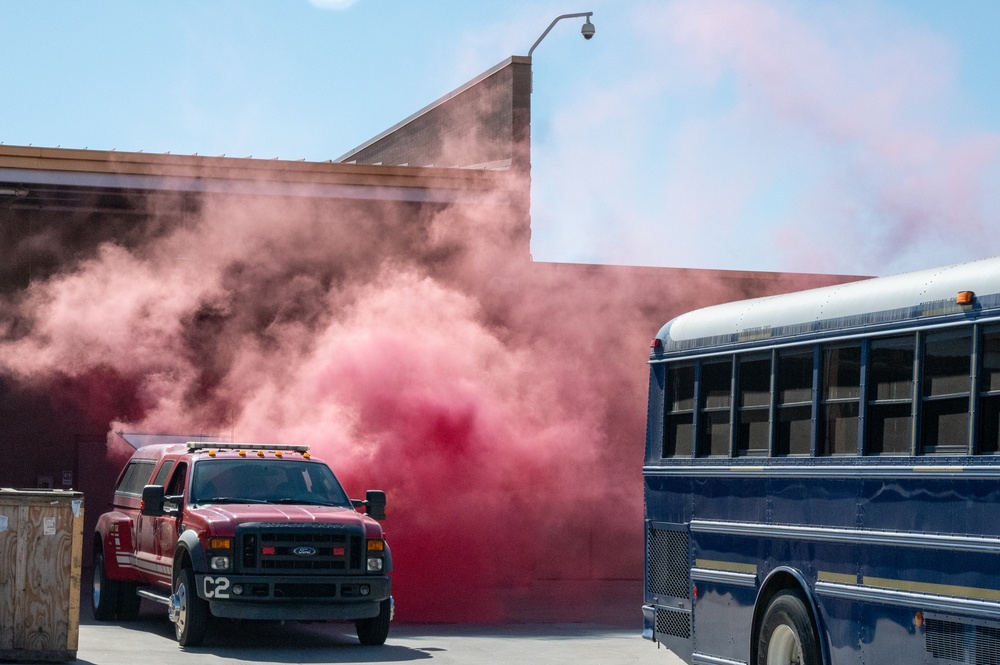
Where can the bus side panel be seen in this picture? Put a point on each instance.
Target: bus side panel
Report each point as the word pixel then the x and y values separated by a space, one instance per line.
pixel 733 499
pixel 823 502
pixel 726 583
pixel 668 499
pixel 872 633
pixel 933 504
pixel 723 605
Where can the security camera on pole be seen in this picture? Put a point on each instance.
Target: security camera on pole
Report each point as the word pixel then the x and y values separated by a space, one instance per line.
pixel 587 30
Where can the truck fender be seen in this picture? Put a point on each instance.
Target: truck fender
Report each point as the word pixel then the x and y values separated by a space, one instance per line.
pixel 189 552
pixel 388 559
pixel 115 535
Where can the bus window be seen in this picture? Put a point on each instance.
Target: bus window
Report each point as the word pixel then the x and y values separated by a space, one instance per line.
pixel 716 400
pixel 755 402
pixel 678 440
pixel 989 392
pixel 890 396
pixel 793 431
pixel 840 400
pixel 947 378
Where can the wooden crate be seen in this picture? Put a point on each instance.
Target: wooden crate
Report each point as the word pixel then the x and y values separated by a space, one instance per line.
pixel 41 538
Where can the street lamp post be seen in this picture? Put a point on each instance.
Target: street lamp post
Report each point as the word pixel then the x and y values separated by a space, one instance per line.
pixel 587 30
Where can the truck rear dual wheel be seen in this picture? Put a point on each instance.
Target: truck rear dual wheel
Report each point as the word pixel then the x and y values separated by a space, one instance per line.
pixel 374 631
pixel 112 599
pixel 787 636
pixel 106 591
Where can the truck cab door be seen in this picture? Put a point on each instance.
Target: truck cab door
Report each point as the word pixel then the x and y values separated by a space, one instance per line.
pixel 145 536
pixel 167 526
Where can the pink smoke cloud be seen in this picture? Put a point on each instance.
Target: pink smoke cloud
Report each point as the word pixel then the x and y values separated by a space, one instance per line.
pixel 841 114
pixel 416 353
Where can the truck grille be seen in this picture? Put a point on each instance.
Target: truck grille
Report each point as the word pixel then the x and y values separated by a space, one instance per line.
pixel 298 548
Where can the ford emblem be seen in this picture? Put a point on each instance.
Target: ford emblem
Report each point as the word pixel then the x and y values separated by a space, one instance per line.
pixel 304 551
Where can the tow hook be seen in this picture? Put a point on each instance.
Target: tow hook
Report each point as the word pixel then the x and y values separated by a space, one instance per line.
pixel 174 608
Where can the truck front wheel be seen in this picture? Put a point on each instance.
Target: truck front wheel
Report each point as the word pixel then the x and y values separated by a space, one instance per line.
pixel 374 631
pixel 106 591
pixel 191 612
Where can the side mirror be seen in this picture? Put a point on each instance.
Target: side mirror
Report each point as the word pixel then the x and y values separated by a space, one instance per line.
pixel 152 500
pixel 375 504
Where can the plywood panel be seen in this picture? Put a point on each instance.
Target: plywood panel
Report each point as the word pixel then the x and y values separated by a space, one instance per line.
pixel 40 575
pixel 46 537
pixel 76 569
pixel 8 572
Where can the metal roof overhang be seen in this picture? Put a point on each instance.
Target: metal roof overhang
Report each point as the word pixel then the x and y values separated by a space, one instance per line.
pixel 56 177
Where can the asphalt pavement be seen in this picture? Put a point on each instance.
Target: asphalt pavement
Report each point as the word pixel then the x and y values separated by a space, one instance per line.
pixel 150 641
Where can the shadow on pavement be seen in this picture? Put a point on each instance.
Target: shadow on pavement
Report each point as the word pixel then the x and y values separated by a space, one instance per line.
pixel 258 641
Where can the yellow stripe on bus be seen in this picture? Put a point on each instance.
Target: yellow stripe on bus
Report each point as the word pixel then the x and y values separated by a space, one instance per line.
pixel 837 578
pixel 728 566
pixel 939 589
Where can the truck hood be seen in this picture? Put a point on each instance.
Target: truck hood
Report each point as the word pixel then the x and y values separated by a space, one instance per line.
pixel 222 519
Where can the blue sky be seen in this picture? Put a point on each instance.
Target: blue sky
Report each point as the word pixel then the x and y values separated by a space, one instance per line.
pixel 857 136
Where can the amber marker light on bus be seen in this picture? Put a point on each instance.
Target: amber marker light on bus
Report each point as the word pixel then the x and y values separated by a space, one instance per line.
pixel 277 453
pixel 965 297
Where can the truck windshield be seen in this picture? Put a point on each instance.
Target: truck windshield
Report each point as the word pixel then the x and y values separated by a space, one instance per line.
pixel 266 481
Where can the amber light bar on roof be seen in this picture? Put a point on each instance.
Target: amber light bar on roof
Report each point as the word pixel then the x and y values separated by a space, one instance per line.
pixel 201 445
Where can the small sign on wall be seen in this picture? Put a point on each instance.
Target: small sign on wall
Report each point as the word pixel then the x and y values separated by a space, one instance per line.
pixel 67 479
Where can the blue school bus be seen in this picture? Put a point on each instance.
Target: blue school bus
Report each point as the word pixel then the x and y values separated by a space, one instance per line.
pixel 822 475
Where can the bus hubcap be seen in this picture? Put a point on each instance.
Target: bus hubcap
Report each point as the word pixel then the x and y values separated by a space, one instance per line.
pixel 785 648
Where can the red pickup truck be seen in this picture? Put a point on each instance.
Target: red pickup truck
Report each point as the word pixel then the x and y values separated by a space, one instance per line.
pixel 243 531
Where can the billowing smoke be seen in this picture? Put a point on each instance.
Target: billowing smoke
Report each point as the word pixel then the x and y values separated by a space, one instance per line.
pixel 499 404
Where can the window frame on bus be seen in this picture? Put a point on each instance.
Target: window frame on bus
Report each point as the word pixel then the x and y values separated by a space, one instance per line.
pixel 892 393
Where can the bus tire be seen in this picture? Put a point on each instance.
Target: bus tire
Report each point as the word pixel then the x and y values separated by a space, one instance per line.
pixel 787 636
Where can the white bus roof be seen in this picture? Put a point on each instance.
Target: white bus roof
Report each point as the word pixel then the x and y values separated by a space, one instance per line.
pixel 871 304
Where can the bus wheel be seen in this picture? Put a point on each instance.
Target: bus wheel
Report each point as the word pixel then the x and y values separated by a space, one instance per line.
pixel 786 635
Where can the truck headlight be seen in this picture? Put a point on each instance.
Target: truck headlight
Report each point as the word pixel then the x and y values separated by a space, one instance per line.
pixel 374 564
pixel 219 563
